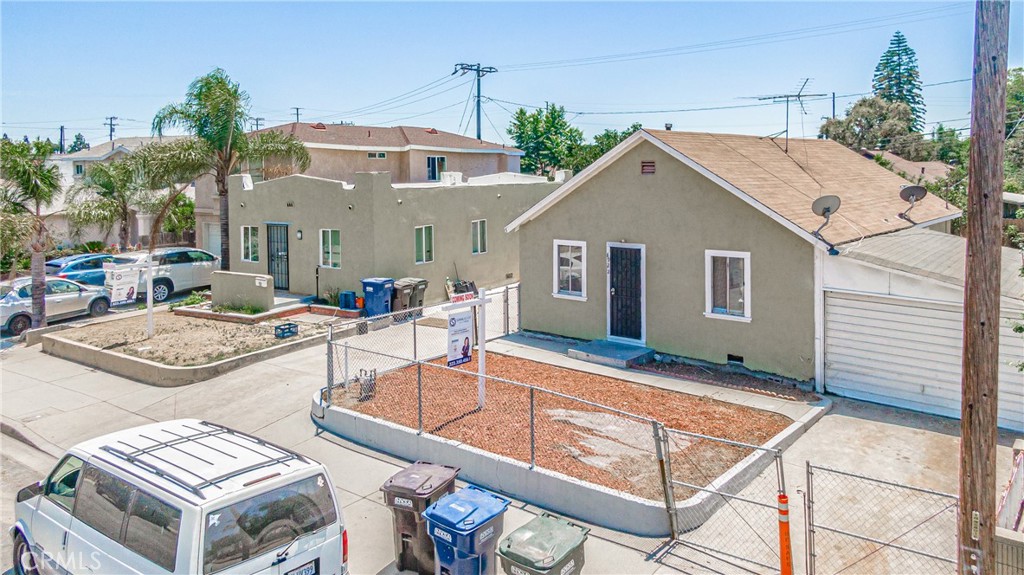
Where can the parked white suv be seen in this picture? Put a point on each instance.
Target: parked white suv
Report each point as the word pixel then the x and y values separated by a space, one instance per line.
pixel 183 496
pixel 174 270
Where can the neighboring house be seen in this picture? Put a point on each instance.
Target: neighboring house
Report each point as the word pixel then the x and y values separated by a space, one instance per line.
pixel 339 152
pixel 312 234
pixel 1012 203
pixel 705 246
pixel 73 169
pixel 917 172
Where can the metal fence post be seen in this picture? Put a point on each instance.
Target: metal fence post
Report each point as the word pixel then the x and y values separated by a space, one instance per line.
pixel 809 520
pixel 506 310
pixel 346 365
pixel 519 308
pixel 533 442
pixel 661 450
pixel 414 351
pixel 419 396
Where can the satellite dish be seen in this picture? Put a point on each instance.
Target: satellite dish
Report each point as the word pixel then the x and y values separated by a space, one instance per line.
pixel 912 194
pixel 825 206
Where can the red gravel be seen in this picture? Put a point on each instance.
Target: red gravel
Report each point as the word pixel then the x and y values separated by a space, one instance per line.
pixel 572 437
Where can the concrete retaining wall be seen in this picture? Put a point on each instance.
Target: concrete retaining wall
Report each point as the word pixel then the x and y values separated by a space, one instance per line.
pixel 238 289
pixel 158 374
pixel 560 493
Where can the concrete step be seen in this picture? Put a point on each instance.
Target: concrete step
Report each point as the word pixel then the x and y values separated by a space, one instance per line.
pixel 611 353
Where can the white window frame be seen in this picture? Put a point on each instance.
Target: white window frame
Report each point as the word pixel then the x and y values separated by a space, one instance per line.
pixel 79 169
pixel 416 230
pixel 437 168
pixel 245 244
pixel 376 155
pixel 709 287
pixel 330 263
pixel 582 296
pixel 481 239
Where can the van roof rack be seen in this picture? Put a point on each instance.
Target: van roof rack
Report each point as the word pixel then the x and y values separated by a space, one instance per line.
pixel 277 454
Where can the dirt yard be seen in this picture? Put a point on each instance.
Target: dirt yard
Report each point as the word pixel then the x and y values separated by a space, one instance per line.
pixel 730 379
pixel 183 341
pixel 572 437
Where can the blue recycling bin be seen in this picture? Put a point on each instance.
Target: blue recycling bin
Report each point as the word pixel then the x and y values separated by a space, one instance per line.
pixel 465 527
pixel 347 300
pixel 377 292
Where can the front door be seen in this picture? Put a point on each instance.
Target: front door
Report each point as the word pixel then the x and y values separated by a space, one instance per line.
pixel 277 248
pixel 626 292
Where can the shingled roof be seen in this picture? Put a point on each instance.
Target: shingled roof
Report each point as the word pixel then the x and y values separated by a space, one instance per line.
pixel 398 138
pixel 783 185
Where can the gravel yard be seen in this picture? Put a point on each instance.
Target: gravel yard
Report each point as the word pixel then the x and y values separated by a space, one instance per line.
pixel 183 341
pixel 571 437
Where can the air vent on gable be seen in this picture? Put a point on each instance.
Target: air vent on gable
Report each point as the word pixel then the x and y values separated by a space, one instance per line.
pixel 319 126
pixel 431 130
pixel 647 167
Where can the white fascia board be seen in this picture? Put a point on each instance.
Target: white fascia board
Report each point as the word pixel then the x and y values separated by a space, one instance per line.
pixel 99 158
pixel 576 181
pixel 937 220
pixel 350 148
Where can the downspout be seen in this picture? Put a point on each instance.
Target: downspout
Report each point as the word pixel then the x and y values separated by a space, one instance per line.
pixel 819 319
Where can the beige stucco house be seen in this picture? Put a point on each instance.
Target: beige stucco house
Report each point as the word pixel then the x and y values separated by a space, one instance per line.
pixel 705 246
pixel 338 152
pixel 313 234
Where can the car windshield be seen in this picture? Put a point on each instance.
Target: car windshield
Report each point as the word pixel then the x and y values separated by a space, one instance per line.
pixel 266 521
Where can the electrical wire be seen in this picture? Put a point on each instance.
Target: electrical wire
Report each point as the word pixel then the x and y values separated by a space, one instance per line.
pixel 417 115
pixel 465 108
pixel 395 99
pixel 395 107
pixel 495 128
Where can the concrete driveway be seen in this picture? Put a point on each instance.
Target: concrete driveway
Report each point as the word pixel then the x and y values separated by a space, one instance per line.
pixel 56 404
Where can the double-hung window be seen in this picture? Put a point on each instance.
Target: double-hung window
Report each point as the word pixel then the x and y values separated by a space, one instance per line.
pixel 424 244
pixel 330 248
pixel 250 244
pixel 478 229
pixel 436 165
pixel 727 285
pixel 570 269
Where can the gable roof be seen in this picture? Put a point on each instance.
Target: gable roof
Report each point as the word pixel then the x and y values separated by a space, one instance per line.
pixel 934 255
pixel 930 171
pixel 106 149
pixel 398 138
pixel 783 186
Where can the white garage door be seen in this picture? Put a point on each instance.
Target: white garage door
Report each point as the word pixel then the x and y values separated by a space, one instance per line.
pixel 907 354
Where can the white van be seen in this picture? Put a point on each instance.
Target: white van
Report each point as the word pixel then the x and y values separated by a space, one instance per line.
pixel 183 496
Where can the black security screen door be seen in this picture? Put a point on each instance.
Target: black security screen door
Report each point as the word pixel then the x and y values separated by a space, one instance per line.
pixel 626 293
pixel 277 248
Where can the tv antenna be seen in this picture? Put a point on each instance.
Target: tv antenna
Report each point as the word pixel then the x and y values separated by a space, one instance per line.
pixel 911 195
pixel 798 96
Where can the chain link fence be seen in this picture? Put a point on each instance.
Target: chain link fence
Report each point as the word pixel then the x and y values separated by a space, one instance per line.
pixel 857 524
pixel 726 514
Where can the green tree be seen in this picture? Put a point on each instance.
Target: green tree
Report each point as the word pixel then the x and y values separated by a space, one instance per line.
pixel 215 111
pixel 31 185
pixel 111 193
pixel 546 137
pixel 182 215
pixel 878 124
pixel 78 144
pixel 897 79
pixel 589 153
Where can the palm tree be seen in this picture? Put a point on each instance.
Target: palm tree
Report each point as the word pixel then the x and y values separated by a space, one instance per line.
pixel 110 193
pixel 30 186
pixel 216 111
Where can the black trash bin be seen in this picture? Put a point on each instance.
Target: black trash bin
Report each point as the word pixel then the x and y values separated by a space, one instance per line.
pixel 546 545
pixel 400 296
pixel 408 493
pixel 418 292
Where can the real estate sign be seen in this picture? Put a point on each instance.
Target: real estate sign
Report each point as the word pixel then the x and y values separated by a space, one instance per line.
pixel 122 281
pixel 460 337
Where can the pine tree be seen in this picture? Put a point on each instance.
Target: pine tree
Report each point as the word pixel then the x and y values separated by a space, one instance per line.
pixel 78 144
pixel 897 78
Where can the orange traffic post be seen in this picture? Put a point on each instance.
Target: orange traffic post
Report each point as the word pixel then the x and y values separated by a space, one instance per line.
pixel 785 547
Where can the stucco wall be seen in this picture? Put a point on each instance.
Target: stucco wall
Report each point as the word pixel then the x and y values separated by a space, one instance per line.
pixel 238 289
pixel 377 233
pixel 677 214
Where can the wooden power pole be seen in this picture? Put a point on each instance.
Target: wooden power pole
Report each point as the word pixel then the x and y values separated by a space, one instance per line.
pixel 978 411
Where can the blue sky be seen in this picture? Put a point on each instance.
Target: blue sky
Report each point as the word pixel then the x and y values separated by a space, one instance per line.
pixel 75 63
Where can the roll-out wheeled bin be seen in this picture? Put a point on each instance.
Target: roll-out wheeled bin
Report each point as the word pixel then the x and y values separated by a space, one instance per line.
pixel 546 545
pixel 465 527
pixel 377 294
pixel 408 493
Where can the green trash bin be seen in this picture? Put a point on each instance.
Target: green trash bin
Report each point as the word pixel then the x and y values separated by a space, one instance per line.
pixel 547 545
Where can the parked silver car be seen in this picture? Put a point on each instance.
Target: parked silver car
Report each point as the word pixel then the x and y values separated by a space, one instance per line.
pixel 174 270
pixel 64 298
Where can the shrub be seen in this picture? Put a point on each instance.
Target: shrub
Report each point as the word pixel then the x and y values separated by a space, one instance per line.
pixel 246 309
pixel 194 298
pixel 333 297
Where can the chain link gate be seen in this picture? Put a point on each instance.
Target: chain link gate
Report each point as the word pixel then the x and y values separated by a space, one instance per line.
pixel 723 501
pixel 858 524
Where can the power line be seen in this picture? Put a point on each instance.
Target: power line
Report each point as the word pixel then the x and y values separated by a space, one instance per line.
pixel 417 115
pixel 746 41
pixel 480 72
pixel 496 130
pixel 404 96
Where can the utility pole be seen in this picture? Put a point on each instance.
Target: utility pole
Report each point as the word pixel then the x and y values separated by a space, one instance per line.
pixel 980 383
pixel 257 121
pixel 833 105
pixel 480 73
pixel 62 139
pixel 111 124
pixel 296 114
